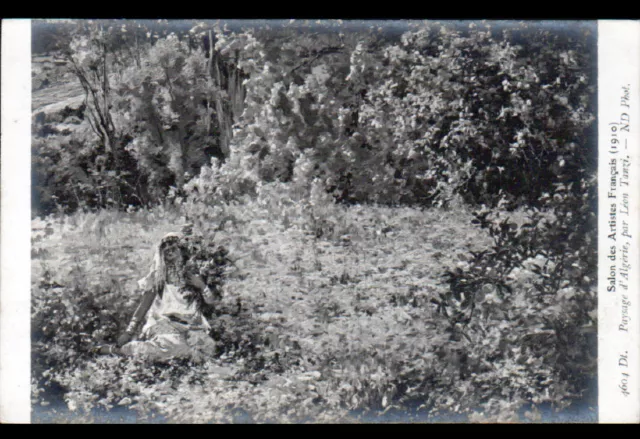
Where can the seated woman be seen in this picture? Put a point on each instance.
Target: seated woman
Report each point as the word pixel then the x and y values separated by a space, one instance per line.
pixel 174 326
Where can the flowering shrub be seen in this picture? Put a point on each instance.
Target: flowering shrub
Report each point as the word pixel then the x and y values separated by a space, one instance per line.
pixel 530 306
pixel 440 113
pixel 208 261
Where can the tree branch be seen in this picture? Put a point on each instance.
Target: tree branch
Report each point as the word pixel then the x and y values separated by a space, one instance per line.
pixel 322 52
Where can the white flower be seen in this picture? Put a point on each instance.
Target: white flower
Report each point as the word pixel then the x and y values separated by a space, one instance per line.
pixel 73 406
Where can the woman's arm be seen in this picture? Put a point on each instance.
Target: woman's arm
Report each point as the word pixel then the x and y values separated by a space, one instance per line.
pixel 141 311
pixel 138 316
pixel 207 294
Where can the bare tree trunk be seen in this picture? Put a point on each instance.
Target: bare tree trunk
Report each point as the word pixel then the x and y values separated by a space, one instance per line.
pixel 222 112
pixel 209 79
pixel 97 105
pixel 228 95
pixel 137 55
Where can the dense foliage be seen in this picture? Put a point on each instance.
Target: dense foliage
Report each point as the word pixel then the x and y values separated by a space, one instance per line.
pixel 211 263
pixel 486 114
pixel 438 113
pixel 411 217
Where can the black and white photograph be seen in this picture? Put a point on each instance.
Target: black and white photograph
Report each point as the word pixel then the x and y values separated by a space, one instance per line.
pixel 316 221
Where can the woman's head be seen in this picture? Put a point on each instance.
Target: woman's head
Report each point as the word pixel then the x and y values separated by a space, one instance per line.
pixel 171 249
pixel 172 253
pixel 169 257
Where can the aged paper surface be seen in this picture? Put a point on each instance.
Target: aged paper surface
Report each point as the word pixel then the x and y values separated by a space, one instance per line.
pixel 15 404
pixel 618 248
pixel 619 210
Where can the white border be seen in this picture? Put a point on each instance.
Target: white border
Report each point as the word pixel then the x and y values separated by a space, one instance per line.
pixel 618 66
pixel 15 298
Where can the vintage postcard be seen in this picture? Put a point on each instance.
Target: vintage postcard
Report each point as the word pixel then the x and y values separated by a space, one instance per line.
pixel 320 221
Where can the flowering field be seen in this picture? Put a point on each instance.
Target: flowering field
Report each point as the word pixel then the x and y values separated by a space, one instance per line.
pixel 327 313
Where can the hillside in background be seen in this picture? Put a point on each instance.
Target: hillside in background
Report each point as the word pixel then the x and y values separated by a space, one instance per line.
pixel 51 89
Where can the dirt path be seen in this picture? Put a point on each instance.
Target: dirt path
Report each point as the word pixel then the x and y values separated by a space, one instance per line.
pixel 56 97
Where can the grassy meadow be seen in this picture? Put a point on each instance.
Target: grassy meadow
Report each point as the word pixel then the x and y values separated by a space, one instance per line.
pixel 319 316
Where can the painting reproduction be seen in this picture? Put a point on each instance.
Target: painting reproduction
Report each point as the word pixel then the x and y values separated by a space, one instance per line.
pixel 314 221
